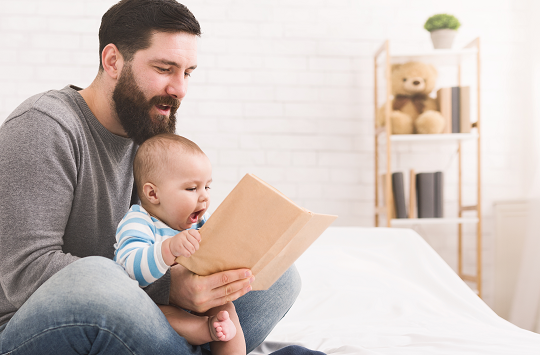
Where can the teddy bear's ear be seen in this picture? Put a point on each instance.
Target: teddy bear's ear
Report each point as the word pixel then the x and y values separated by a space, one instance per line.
pixel 395 67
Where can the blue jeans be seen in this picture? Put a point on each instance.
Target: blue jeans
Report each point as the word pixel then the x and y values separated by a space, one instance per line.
pixel 93 307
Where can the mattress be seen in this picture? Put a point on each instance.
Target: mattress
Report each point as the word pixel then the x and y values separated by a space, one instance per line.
pixel 386 291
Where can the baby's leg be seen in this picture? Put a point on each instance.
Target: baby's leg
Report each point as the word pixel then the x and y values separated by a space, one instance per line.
pixel 189 326
pixel 218 319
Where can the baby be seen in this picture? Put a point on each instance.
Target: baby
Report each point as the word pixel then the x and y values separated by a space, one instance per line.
pixel 173 176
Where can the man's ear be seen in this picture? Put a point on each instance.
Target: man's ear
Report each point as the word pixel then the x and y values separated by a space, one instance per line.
pixel 111 60
pixel 150 193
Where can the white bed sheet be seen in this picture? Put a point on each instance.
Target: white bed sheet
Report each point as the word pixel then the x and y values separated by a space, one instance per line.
pixel 386 291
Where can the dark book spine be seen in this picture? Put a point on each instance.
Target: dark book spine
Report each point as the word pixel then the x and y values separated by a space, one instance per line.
pixel 399 195
pixel 455 110
pixel 439 198
pixel 425 188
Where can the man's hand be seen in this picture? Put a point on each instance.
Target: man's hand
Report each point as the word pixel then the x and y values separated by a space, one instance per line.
pixel 200 293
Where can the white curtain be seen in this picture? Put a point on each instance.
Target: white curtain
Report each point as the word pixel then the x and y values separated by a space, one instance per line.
pixel 525 310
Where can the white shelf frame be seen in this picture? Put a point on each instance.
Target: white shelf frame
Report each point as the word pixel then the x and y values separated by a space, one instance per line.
pixel 383 58
pixel 429 137
pixel 395 222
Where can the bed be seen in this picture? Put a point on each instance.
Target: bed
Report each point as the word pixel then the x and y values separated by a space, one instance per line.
pixel 386 291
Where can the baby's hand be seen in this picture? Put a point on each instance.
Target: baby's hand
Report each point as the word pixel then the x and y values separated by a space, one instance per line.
pixel 185 243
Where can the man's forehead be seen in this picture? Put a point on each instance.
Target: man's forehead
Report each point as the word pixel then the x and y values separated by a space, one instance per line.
pixel 174 40
pixel 171 48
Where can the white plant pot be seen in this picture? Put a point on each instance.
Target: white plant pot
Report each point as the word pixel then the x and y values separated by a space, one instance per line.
pixel 443 39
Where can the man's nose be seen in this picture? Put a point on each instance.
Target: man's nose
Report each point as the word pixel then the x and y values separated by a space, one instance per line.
pixel 177 87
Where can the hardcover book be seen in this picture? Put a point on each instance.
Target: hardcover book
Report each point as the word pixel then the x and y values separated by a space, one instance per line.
pixel 456 109
pixel 398 189
pixel 429 195
pixel 425 195
pixel 444 99
pixel 465 109
pixel 255 227
pixel 454 105
pixel 439 198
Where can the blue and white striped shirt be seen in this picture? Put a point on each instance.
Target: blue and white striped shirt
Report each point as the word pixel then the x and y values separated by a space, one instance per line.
pixel 138 244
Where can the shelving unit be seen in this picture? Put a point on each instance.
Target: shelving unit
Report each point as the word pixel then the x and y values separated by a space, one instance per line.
pixel 384 142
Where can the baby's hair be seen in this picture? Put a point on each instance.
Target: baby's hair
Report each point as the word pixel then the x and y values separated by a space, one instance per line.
pixel 154 155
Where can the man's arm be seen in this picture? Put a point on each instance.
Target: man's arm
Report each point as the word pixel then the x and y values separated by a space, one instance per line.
pixel 38 175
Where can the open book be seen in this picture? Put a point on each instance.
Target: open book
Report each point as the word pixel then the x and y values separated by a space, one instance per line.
pixel 255 227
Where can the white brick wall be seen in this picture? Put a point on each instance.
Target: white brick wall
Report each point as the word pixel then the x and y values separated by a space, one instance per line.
pixel 284 90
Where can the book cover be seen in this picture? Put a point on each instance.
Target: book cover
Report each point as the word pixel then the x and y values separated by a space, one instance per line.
pixel 255 227
pixel 425 195
pixel 412 194
pixel 455 110
pixel 438 193
pixel 398 190
pixel 444 99
pixel 465 109
pixel 383 194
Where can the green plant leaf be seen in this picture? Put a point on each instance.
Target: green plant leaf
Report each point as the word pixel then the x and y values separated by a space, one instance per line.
pixel 441 21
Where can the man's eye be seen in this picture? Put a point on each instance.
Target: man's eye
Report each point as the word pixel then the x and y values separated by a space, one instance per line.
pixel 187 74
pixel 162 69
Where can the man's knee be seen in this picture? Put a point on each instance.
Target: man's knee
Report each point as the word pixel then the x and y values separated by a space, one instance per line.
pixel 289 284
pixel 90 288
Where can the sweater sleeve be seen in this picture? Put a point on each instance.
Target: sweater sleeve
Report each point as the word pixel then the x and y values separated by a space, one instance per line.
pixel 137 249
pixel 38 176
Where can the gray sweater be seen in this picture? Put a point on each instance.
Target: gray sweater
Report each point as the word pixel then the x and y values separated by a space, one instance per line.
pixel 66 182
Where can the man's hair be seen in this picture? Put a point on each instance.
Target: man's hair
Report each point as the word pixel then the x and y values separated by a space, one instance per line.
pixel 154 156
pixel 130 24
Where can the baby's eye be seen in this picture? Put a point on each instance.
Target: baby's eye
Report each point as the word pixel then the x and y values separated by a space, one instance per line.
pixel 191 188
pixel 207 187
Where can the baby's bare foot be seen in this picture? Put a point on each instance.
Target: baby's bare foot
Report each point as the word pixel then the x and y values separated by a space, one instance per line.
pixel 221 327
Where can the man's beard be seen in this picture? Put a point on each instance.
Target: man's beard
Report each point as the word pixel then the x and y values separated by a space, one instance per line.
pixel 133 109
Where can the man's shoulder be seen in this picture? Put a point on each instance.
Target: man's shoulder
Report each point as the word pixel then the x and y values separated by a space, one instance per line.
pixel 58 106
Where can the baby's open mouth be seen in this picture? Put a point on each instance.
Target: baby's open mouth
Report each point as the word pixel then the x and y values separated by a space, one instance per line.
pixel 194 217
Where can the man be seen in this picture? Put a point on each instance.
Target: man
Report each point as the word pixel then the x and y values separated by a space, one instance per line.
pixel 65 170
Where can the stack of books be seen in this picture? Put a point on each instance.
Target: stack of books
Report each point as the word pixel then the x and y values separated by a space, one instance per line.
pixel 454 105
pixel 426 192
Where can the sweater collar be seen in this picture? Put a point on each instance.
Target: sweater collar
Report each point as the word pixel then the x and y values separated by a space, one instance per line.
pixel 116 142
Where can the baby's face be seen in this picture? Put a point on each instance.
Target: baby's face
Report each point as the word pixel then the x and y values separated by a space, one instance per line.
pixel 184 190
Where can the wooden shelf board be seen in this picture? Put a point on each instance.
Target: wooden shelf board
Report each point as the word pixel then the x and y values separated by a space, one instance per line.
pixel 412 221
pixel 434 56
pixel 430 137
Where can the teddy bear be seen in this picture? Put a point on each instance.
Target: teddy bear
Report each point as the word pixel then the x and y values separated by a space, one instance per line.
pixel 412 110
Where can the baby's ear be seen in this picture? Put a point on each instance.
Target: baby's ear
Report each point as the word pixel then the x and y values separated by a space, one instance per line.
pixel 150 193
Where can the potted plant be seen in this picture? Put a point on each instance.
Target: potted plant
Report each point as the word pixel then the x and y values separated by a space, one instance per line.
pixel 443 29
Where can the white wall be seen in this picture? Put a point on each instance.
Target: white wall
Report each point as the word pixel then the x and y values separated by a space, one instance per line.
pixel 284 90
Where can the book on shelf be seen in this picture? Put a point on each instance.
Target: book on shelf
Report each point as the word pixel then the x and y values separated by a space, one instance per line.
pixel 412 194
pixel 398 190
pixel 439 198
pixel 465 109
pixel 429 195
pixel 444 99
pixel 454 106
pixel 455 109
pixel 255 227
pixel 391 197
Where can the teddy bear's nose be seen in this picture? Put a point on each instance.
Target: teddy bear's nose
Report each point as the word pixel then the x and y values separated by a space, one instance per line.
pixel 416 82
